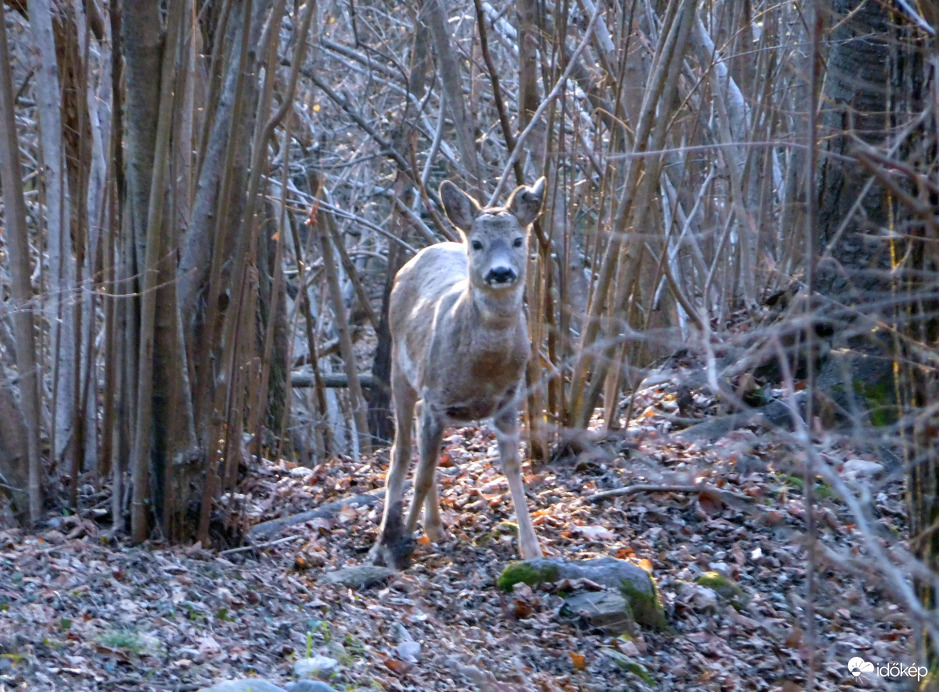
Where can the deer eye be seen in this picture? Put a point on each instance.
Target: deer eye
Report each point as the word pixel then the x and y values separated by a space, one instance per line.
pixel 517 242
pixel 477 245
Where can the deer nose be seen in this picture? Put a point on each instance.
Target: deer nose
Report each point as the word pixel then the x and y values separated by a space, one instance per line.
pixel 501 275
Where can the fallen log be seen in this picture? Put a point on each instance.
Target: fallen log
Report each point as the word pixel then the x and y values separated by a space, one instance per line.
pixel 266 529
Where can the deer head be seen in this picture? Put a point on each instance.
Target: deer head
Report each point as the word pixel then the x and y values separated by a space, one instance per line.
pixel 496 238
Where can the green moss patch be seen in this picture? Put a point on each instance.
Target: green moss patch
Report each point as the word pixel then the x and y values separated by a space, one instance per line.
pixel 725 587
pixel 527 573
pixel 646 607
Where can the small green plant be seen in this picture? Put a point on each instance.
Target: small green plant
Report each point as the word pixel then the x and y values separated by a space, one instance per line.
pixel 354 644
pixel 796 482
pixel 324 628
pixel 194 615
pixel 821 488
pixel 351 648
pixel 122 640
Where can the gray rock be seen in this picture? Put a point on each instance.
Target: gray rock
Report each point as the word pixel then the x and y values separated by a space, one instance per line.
pixel 774 414
pixel 855 469
pixel 358 576
pixel 251 685
pixel 702 599
pixel 605 610
pixel 315 666
pixel 714 428
pixel 628 579
pixel 310 686
pixel 859 385
pixel 611 573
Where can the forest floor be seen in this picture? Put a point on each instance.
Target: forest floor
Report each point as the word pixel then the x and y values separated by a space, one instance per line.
pixel 82 611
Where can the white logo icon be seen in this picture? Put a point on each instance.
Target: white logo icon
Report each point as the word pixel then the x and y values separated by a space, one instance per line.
pixel 858 665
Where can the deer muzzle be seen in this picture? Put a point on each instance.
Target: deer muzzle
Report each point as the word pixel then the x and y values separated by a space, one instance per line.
pixel 501 275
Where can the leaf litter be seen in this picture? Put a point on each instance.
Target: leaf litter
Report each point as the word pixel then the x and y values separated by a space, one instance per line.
pixel 82 611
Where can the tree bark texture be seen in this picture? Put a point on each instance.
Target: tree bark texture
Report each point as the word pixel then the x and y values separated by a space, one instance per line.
pixel 17 240
pixel 59 244
pixel 435 15
pixel 853 254
pixel 14 449
pixel 380 420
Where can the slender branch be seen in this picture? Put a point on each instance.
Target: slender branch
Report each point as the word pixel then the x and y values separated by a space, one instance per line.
pixel 542 107
pixel 699 488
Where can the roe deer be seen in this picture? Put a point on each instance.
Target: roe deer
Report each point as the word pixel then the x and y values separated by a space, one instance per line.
pixel 460 345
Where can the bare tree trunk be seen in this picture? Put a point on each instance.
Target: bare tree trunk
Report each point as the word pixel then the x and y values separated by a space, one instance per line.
pixel 540 276
pixel 210 259
pixel 528 30
pixel 117 271
pixel 852 264
pixel 225 157
pixel 590 369
pixel 153 144
pixel 213 239
pixel 175 442
pixel 263 302
pixel 14 449
pixel 62 298
pixel 379 397
pixel 142 42
pixel 357 400
pixel 17 240
pixel 273 321
pixel 855 278
pixel 95 200
pixel 436 17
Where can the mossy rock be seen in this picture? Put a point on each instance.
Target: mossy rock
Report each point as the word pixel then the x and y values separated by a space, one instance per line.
pixel 646 607
pixel 861 384
pixel 630 664
pixel 601 610
pixel 726 588
pixel 531 572
pixel 881 401
pixel 634 583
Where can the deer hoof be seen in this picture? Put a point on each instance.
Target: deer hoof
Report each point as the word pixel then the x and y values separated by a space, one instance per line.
pixel 531 552
pixel 396 554
pixel 435 534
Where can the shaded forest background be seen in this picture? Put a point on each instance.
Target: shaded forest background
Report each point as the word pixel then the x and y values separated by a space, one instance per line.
pixel 203 205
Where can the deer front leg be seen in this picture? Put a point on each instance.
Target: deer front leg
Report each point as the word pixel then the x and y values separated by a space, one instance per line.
pixel 394 546
pixel 430 435
pixel 507 435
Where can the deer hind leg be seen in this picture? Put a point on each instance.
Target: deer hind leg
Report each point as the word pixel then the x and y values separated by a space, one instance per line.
pixel 394 545
pixel 430 434
pixel 507 435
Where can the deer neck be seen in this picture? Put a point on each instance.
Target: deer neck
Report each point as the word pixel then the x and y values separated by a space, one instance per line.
pixel 494 310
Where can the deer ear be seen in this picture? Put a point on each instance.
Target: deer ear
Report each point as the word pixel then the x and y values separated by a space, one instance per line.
pixel 461 209
pixel 525 202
